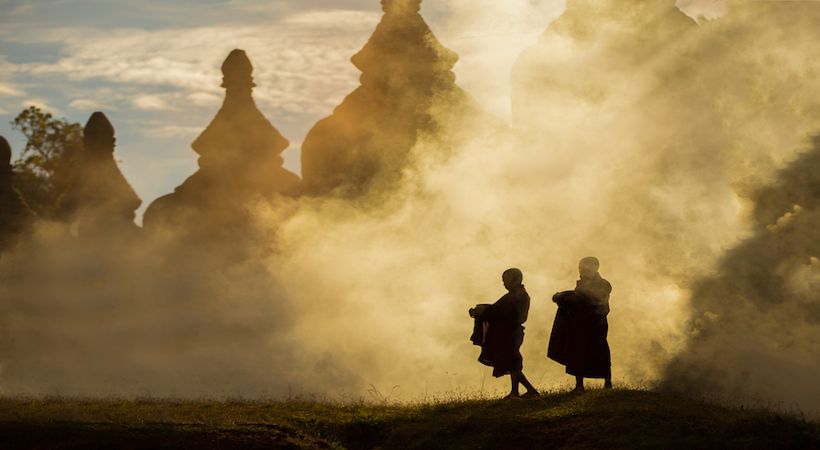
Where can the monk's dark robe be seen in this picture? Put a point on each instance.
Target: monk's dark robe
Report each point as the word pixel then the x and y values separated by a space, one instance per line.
pixel 579 333
pixel 500 332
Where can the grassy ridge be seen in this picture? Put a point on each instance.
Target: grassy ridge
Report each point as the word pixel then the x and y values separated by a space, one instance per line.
pixel 597 419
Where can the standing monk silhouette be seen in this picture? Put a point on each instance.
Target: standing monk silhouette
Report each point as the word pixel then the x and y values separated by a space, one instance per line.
pixel 500 333
pixel 578 338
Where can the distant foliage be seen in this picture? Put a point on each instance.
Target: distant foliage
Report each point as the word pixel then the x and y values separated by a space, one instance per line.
pixel 43 166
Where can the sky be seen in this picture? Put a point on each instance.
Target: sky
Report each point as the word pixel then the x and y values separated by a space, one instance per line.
pixel 395 280
pixel 153 66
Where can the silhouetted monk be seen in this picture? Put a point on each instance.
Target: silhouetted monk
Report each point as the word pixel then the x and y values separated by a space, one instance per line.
pixel 500 333
pixel 578 338
pixel 15 214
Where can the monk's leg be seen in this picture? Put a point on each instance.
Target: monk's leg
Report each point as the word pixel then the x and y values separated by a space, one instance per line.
pixel 514 381
pixel 579 383
pixel 608 382
pixel 531 391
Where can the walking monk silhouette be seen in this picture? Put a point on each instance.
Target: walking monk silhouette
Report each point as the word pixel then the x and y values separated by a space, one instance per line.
pixel 578 338
pixel 500 333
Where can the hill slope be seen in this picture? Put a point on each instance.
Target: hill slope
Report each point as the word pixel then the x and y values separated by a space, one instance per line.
pixel 597 419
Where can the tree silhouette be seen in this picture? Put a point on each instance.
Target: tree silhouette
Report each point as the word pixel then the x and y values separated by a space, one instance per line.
pixel 41 168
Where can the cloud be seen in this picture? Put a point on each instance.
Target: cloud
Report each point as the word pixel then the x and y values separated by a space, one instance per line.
pixel 337 19
pixel 280 7
pixel 42 104
pixel 9 90
pixel 151 72
pixel 204 98
pixel 84 104
pixel 16 9
pixel 302 62
pixel 173 131
pixel 7 87
pixel 150 103
pixel 708 9
pixel 489 36
pixel 393 280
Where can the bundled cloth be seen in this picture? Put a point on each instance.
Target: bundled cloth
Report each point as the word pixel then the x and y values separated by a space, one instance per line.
pixel 480 329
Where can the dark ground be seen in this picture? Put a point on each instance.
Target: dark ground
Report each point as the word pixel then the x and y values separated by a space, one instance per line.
pixel 597 419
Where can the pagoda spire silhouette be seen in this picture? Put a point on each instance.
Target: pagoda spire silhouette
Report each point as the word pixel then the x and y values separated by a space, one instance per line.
pixel 15 214
pixel 591 53
pixel 582 18
pixel 239 160
pixel 406 76
pixel 99 197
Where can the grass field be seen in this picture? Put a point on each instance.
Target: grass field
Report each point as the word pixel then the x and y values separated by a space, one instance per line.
pixel 597 419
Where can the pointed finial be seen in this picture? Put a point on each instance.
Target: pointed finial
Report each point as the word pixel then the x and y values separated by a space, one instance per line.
pixel 5 155
pixel 237 71
pixel 98 132
pixel 401 6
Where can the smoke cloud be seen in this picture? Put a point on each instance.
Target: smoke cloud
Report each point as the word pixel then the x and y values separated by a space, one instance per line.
pixel 662 146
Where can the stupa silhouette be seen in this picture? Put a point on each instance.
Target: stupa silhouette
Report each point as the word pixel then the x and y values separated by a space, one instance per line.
pixel 594 50
pixel 99 197
pixel 240 160
pixel 407 90
pixel 15 214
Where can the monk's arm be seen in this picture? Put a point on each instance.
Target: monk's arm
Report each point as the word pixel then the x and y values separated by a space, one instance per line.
pixel 562 297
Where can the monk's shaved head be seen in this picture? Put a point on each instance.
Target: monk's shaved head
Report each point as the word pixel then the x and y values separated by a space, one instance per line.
pixel 591 262
pixel 588 266
pixel 512 278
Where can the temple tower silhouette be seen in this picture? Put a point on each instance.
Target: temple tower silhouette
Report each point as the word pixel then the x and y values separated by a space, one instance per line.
pixel 594 51
pixel 240 161
pixel 99 198
pixel 15 215
pixel 407 90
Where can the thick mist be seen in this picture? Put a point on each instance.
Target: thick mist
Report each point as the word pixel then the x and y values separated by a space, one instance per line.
pixel 753 328
pixel 679 128
pixel 638 136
